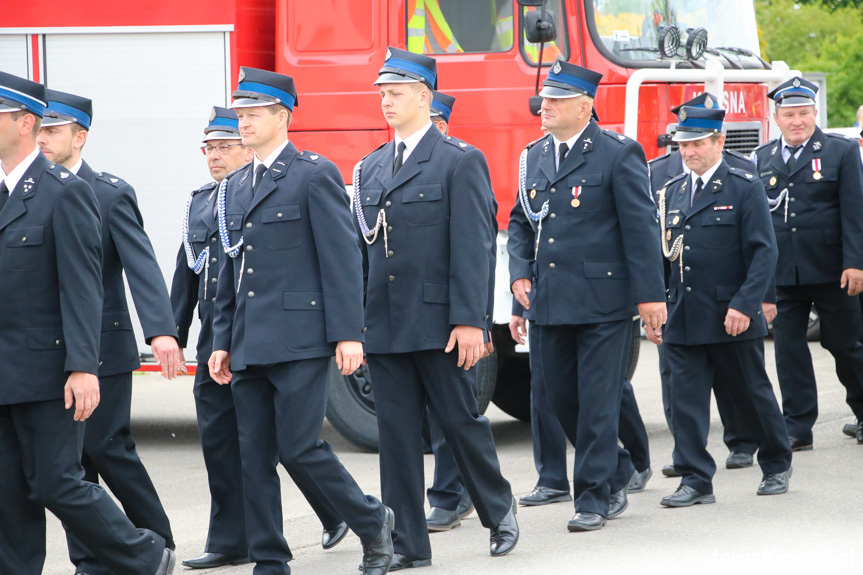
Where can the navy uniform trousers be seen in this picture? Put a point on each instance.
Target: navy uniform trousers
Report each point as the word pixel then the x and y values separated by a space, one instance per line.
pixel 447 489
pixel 741 365
pixel 735 435
pixel 549 439
pixel 404 384
pixel 40 446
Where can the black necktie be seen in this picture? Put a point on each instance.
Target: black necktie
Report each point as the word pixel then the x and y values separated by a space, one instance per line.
pixel 259 175
pixel 561 154
pixel 698 187
pixel 4 194
pixel 792 161
pixel 400 158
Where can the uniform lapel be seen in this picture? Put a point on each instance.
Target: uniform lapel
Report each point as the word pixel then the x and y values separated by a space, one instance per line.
pixel 809 151
pixel 420 154
pixel 243 194
pixel 206 212
pixel 546 158
pixel 776 161
pixel 707 198
pixel 276 171
pixel 24 190
pixel 575 157
pixel 680 199
pixel 384 173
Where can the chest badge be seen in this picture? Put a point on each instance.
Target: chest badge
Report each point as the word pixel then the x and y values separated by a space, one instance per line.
pixel 667 235
pixel 576 191
pixel 532 194
pixel 816 169
pixel 773 181
pixel 675 221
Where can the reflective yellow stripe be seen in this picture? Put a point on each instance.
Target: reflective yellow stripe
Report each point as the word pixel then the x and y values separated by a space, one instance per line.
pixel 504 33
pixel 440 21
pixel 417 29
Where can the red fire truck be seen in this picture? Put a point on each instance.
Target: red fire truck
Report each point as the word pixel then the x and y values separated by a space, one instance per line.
pixel 154 69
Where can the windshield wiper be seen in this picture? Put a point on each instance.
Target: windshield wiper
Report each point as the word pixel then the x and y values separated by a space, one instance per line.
pixel 745 52
pixel 716 52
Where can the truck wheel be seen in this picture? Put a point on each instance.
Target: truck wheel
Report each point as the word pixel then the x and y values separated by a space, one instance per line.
pixel 351 403
pixel 512 394
pixel 351 407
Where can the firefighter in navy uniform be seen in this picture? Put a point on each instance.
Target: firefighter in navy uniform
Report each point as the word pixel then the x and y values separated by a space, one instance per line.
pixel 740 445
pixel 51 281
pixel 449 501
pixel 716 232
pixel 814 183
pixel 289 298
pixel 426 228
pixel 109 448
pixel 581 238
pixel 194 285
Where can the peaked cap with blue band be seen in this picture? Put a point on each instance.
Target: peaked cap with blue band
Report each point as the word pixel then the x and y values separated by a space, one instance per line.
pixel 566 80
pixel 441 105
pixel 403 67
pixel 264 88
pixel 704 100
pixel 223 125
pixel 17 94
pixel 698 123
pixel 66 108
pixel 794 92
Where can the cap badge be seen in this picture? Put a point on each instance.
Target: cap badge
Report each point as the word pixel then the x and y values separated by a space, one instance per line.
pixel 389 54
pixel 556 69
pixel 212 114
pixel 242 75
pixel 708 102
pixel 796 82
pixel 682 115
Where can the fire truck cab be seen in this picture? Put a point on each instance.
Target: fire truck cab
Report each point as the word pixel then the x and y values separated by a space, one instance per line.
pixel 154 69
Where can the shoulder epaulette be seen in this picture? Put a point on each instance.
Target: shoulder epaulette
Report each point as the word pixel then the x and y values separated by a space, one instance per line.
pixel 310 156
pixel 460 144
pixel 746 175
pixel 110 179
pixel 535 142
pixel 765 144
pixel 61 173
pixel 737 155
pixel 238 170
pixel 676 179
pixel 656 159
pixel 842 137
pixel 619 138
pixel 206 187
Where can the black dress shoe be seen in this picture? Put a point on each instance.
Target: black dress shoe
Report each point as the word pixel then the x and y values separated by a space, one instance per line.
pixel 544 495
pixel 166 565
pixel 617 503
pixel 440 519
pixel 332 537
pixel 407 562
pixel 504 536
pixel 800 445
pixel 586 522
pixel 670 471
pixel 738 460
pixel 211 560
pixel 774 483
pixel 860 432
pixel 639 480
pixel 686 496
pixel 850 429
pixel 378 554
pixel 465 506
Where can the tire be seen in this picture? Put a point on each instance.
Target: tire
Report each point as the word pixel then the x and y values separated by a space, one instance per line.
pixel 351 403
pixel 512 393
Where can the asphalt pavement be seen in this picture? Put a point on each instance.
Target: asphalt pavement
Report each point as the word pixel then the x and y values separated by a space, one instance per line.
pixel 816 526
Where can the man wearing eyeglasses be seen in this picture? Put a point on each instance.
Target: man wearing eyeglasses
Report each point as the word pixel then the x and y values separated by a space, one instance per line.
pixel 109 448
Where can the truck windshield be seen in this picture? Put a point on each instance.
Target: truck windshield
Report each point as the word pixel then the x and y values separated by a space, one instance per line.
pixel 628 31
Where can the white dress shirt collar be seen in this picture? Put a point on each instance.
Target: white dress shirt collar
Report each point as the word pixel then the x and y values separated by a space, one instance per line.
pixel 412 141
pixel 13 177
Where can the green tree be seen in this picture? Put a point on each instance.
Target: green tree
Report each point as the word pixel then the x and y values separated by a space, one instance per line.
pixel 819 36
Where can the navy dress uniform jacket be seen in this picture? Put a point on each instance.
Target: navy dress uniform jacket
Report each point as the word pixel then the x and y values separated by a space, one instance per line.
pixel 824 232
pixel 126 248
pixel 441 281
pixel 50 254
pixel 596 261
pixel 729 256
pixel 302 225
pixel 189 289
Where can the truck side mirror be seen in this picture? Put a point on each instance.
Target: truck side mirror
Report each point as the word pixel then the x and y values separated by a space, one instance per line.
pixel 539 27
pixel 534 103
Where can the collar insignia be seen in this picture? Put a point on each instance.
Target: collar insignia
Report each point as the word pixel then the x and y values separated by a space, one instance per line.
pixel 816 146
pixel 717 181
